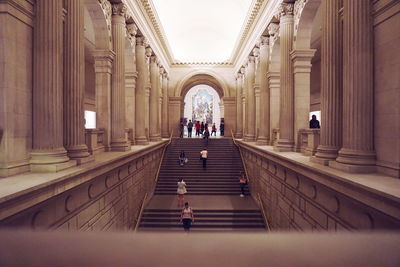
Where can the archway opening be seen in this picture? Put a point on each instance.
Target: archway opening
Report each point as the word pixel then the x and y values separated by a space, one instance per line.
pixel 202 103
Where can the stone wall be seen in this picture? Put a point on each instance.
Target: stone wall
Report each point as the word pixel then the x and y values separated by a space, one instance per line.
pixel 298 195
pixel 110 200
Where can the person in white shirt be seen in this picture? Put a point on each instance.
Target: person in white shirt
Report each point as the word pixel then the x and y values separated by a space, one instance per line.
pixel 187 217
pixel 181 191
pixel 203 157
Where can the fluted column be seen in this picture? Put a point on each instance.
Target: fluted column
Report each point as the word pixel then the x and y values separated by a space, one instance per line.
pixel 141 83
pixel 244 99
pixel 331 83
pixel 149 53
pixel 239 116
pixel 74 82
pixel 130 82
pixel 154 99
pixel 274 86
pixel 164 121
pixel 118 135
pixel 286 118
pixel 257 93
pixel 48 153
pixel 263 134
pixel 250 101
pixel 160 98
pixel 357 153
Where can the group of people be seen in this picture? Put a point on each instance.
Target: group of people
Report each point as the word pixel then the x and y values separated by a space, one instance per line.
pixel 187 214
pixel 201 129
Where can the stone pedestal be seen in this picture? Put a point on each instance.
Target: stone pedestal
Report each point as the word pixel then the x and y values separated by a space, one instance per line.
pixel 331 84
pixel 286 118
pixel 141 83
pixel 264 125
pixel 118 137
pixel 74 82
pixel 357 153
pixel 48 153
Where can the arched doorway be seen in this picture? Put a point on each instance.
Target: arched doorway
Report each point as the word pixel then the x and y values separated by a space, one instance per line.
pixel 202 103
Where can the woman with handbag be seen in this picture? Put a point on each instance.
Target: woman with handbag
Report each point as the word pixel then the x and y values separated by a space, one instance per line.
pixel 181 191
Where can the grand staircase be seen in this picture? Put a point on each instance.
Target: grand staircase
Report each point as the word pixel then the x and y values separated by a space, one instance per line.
pixel 213 192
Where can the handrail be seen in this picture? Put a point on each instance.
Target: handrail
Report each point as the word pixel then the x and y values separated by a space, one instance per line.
pixel 140 212
pixel 263 212
pixel 162 156
pixel 240 151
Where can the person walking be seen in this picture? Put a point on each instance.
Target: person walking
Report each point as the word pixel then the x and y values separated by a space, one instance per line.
pixel 181 191
pixel 203 157
pixel 187 217
pixel 197 126
pixel 222 128
pixel 190 128
pixel 202 128
pixel 214 130
pixel 181 128
pixel 242 183
pixel 206 136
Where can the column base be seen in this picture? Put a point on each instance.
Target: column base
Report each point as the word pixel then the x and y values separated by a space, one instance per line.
pixel 53 167
pixel 120 145
pixel 79 151
pixel 249 138
pixel 13 168
pixel 155 138
pixel 81 161
pixel 321 161
pixel 325 154
pixel 262 141
pixel 141 141
pixel 352 168
pixel 283 145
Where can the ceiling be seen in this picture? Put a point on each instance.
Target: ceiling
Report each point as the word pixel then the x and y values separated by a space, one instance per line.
pixel 202 30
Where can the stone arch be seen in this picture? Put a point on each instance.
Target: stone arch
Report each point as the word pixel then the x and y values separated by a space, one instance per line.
pixel 307 11
pixel 100 22
pixel 201 77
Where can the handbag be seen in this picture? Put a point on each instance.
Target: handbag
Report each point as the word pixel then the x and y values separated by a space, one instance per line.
pixel 186 160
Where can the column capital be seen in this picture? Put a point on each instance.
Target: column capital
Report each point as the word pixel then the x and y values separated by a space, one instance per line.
pixel 153 58
pixel 256 52
pixel 285 9
pixel 264 41
pixel 242 70
pixel 273 28
pixel 141 40
pixel 251 59
pixel 149 51
pixel 103 61
pixel 302 60
pixel 162 70
pixel 131 29
pixel 119 9
pixel 165 75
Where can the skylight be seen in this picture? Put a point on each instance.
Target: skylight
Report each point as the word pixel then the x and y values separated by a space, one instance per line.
pixel 202 30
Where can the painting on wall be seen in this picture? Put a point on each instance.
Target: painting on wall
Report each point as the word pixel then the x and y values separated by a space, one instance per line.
pixel 202 109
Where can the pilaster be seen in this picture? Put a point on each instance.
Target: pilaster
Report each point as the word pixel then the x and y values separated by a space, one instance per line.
pixel 250 101
pixel 154 100
pixel 164 121
pixel 239 105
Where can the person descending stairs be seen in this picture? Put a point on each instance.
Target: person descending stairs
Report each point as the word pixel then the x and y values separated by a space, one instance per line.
pixel 213 192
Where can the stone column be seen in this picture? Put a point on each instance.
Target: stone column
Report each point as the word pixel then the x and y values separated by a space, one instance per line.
pixel 160 98
pixel 130 82
pixel 331 84
pixel 141 86
pixel 149 53
pixel 263 134
pixel 250 101
pixel 257 93
pixel 154 99
pixel 118 135
pixel 302 69
pixel 274 87
pixel 239 116
pixel 286 118
pixel 357 153
pixel 103 68
pixel 48 153
pixel 244 100
pixel 74 82
pixel 164 121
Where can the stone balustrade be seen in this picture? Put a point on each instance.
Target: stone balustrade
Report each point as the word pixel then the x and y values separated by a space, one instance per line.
pixel 309 141
pixel 95 140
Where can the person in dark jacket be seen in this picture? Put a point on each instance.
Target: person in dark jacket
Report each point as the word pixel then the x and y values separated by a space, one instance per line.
pixel 202 128
pixel 190 127
pixel 314 123
pixel 222 128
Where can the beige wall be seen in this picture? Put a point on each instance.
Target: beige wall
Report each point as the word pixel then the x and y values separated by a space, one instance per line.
pixel 387 87
pixel 16 41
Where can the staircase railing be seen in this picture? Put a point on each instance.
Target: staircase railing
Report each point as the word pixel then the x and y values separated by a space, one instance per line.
pixel 137 222
pixel 241 156
pixel 264 214
pixel 162 156
pixel 260 202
